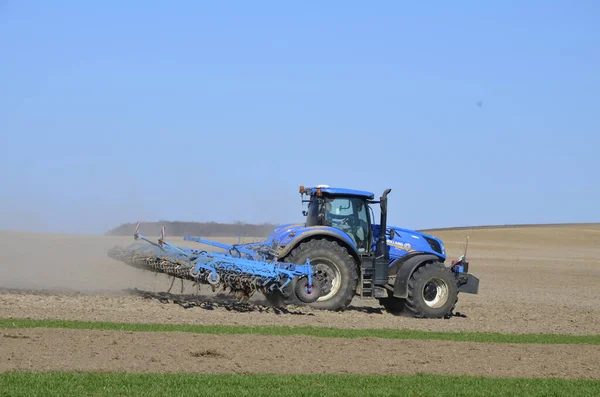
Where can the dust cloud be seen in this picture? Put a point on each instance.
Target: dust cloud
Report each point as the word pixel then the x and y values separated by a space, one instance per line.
pixel 79 264
pixel 72 263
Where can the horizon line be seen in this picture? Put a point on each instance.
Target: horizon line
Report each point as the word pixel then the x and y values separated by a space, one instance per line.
pixel 449 228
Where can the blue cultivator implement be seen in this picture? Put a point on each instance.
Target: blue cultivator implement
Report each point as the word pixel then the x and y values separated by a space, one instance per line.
pixel 243 268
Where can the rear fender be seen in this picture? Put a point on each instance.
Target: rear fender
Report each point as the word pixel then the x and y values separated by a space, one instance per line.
pixel 404 267
pixel 341 238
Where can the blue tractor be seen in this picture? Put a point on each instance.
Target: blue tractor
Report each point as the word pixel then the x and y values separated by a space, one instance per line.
pixel 339 252
pixel 352 256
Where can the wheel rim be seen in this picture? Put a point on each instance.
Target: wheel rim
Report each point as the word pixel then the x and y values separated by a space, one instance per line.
pixel 435 293
pixel 329 275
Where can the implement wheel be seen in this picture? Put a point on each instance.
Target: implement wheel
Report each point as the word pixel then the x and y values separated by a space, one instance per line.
pixel 432 291
pixel 302 293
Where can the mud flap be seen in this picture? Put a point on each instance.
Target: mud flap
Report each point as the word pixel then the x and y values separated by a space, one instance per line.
pixel 468 284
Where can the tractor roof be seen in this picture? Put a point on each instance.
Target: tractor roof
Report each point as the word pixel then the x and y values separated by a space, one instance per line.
pixel 335 191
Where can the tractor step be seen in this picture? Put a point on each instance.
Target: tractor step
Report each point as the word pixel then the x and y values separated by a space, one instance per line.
pixel 373 277
pixel 366 282
pixel 367 289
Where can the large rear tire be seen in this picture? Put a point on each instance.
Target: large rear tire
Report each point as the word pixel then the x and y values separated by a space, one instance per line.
pixel 335 269
pixel 432 291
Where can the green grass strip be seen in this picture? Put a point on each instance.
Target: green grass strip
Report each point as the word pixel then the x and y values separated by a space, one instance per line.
pixel 322 332
pixel 122 384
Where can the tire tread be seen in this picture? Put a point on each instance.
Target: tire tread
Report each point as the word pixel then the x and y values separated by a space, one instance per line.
pixel 412 303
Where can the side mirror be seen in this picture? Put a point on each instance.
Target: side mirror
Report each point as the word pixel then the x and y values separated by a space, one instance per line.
pixel 304 213
pixel 392 233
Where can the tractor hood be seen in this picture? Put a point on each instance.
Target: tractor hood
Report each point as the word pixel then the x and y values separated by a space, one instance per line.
pixel 407 241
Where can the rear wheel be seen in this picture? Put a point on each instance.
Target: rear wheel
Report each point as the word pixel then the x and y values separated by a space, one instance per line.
pixel 333 267
pixel 432 291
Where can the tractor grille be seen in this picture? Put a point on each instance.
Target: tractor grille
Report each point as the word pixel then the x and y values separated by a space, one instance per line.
pixel 434 245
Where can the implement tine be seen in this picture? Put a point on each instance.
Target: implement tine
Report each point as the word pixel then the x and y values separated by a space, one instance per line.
pixel 172 282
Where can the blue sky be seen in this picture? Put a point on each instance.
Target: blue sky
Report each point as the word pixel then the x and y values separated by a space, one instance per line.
pixel 112 111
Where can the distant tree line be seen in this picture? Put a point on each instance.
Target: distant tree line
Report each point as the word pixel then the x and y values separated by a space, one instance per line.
pixel 200 229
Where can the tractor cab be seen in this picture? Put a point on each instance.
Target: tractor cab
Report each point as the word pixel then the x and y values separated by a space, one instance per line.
pixel 344 209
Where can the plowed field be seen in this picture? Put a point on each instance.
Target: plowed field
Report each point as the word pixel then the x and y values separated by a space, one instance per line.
pixel 543 280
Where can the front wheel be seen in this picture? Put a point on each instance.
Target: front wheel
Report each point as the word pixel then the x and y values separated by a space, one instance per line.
pixel 432 291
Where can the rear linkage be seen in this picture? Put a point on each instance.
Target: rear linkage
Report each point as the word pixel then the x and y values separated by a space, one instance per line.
pixel 243 268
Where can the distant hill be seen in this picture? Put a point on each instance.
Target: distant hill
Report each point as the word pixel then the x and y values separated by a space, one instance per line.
pixel 515 225
pixel 215 229
pixel 201 229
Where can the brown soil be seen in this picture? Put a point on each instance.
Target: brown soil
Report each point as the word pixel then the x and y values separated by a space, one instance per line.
pixel 503 318
pixel 77 350
pixel 533 279
pixel 536 279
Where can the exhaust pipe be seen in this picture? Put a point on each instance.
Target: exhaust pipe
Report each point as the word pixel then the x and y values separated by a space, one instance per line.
pixel 382 251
